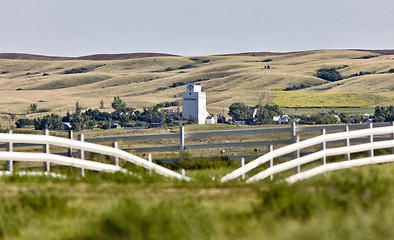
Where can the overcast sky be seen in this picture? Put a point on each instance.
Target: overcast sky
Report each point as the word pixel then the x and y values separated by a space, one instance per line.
pixel 193 27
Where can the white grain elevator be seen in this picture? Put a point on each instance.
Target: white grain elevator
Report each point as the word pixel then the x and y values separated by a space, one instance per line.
pixel 194 103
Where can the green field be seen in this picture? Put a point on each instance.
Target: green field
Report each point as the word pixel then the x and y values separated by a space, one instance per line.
pixel 145 82
pixel 356 203
pixel 330 99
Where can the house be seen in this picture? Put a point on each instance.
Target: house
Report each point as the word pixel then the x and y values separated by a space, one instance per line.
pixel 284 119
pixel 171 111
pixel 211 119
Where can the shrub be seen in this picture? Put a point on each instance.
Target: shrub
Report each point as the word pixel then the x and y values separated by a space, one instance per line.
pixel 21 123
pixel 76 70
pixel 366 57
pixel 267 60
pixel 177 84
pixel 329 74
pixel 187 66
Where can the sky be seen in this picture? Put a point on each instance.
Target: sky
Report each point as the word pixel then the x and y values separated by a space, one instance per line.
pixel 193 27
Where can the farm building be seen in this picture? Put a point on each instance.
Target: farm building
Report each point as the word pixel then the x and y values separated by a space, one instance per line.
pixel 194 104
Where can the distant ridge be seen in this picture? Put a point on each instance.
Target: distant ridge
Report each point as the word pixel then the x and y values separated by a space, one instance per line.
pixel 125 56
pixel 255 54
pixel 262 54
pixel 383 52
pixel 95 57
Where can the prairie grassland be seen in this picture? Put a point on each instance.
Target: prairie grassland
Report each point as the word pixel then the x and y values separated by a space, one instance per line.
pixel 226 79
pixel 357 202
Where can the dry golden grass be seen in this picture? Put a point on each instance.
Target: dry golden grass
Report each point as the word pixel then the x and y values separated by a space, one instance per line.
pixel 226 79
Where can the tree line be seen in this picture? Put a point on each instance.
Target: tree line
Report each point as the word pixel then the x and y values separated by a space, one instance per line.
pixel 129 117
pixel 93 118
pixel 265 115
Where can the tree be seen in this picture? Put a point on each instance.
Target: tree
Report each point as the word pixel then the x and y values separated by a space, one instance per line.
pixel 329 74
pixel 385 112
pixel 118 105
pixel 239 111
pixel 266 113
pixel 21 123
pixel 102 104
pixel 78 108
pixel 51 122
pixel 32 108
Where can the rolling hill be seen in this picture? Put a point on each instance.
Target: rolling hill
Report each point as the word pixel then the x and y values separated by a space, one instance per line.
pixel 145 79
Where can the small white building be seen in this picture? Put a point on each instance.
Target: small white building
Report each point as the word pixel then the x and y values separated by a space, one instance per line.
pixel 284 119
pixel 212 119
pixel 194 103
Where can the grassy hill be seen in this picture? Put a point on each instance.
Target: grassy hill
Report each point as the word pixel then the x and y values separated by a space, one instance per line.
pixel 141 82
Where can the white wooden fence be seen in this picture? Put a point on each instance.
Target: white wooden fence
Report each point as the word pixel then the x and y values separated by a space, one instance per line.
pixel 322 141
pixel 292 132
pixel 9 156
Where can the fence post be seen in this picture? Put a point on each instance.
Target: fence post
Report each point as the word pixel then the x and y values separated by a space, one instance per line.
pixel 70 136
pixel 181 143
pixel 298 168
pixel 150 160
pixel 9 165
pixel 182 172
pixel 293 136
pixel 47 164
pixel 270 163
pixel 81 154
pixel 347 156
pixel 241 163
pixel 323 146
pixel 392 137
pixel 371 154
pixel 116 160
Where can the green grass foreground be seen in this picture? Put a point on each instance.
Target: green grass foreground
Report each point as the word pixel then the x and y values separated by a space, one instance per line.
pixel 356 203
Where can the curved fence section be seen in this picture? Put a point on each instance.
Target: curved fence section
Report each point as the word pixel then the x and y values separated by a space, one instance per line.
pixel 90 147
pixel 322 139
pixel 61 160
pixel 338 166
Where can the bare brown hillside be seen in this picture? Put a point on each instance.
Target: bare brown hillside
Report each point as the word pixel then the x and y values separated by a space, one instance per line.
pixel 126 56
pixel 95 57
pixel 146 80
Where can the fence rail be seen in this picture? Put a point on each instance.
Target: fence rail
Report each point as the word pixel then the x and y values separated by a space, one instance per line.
pixel 321 140
pixel 292 131
pixel 82 146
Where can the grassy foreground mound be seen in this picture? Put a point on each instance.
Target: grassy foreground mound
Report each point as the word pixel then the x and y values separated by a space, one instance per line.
pixel 351 204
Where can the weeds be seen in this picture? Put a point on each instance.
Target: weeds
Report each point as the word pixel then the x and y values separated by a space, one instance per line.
pixel 356 202
pixel 167 220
